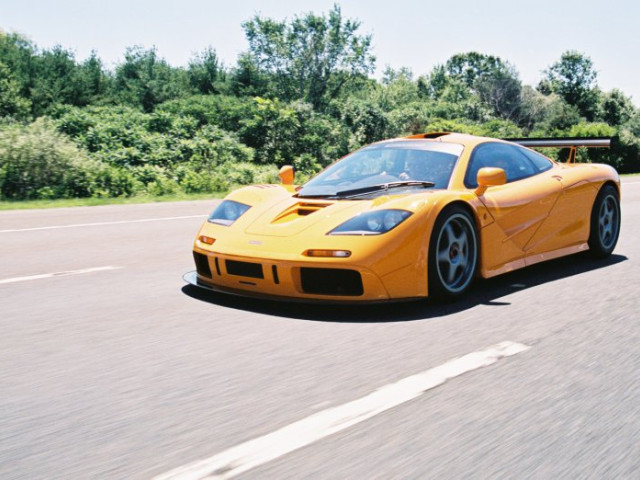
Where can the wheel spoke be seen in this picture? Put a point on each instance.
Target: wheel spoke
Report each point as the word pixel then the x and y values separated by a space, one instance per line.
pixel 462 242
pixel 451 236
pixel 452 273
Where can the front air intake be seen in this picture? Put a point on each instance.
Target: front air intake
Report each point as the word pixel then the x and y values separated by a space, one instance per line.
pixel 331 281
pixel 202 264
pixel 244 269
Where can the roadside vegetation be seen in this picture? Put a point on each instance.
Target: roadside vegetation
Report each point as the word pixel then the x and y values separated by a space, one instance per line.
pixel 302 94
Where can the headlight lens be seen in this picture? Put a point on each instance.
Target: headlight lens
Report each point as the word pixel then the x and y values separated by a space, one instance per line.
pixel 372 223
pixel 228 212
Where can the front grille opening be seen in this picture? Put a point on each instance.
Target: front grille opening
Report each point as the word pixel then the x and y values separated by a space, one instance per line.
pixel 244 269
pixel 274 271
pixel 331 281
pixel 202 264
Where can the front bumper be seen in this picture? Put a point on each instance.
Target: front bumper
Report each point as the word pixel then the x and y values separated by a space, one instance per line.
pixel 313 281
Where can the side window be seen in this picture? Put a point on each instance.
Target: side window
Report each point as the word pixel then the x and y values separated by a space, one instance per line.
pixel 501 155
pixel 540 162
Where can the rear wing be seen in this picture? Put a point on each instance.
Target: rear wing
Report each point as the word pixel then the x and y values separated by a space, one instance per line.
pixel 564 142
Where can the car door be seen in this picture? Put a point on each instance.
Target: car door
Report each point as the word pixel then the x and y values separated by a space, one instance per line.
pixel 518 207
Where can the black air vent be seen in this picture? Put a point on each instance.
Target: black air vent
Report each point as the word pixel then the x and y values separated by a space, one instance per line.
pixel 435 134
pixel 244 269
pixel 331 281
pixel 202 264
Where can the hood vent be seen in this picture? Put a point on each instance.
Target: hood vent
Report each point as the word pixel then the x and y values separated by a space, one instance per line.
pixel 298 210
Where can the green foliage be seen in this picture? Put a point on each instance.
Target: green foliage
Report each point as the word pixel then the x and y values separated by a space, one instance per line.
pixel 397 89
pixel 573 77
pixel 617 108
pixel 277 131
pixel 475 86
pixel 12 105
pixel 409 119
pixel 126 137
pixel 145 80
pixel 494 128
pixel 18 55
pixel 205 72
pixel 310 58
pixel 365 119
pixel 38 162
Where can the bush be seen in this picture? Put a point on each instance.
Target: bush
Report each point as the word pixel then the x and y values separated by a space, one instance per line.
pixel 38 162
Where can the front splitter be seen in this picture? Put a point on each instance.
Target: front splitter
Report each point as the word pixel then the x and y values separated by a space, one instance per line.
pixel 192 279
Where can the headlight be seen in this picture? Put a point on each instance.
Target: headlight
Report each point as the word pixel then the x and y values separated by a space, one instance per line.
pixel 372 223
pixel 228 212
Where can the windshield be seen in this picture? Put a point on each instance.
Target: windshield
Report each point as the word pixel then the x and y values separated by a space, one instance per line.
pixel 408 162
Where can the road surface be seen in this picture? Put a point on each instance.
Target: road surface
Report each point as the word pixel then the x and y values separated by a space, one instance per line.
pixel 110 367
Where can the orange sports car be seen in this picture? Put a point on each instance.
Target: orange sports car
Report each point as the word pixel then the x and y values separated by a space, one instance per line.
pixel 407 218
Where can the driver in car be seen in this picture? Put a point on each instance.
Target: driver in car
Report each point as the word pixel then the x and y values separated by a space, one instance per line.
pixel 416 167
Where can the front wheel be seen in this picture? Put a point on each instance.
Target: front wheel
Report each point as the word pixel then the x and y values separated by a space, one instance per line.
pixel 605 222
pixel 453 254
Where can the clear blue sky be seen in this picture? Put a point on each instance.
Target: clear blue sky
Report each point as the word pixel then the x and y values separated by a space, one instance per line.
pixel 411 33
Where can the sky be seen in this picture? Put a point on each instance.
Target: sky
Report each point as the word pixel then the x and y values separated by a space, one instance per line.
pixel 406 33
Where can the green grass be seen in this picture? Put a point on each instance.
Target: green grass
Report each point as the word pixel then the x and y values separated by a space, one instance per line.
pixel 90 202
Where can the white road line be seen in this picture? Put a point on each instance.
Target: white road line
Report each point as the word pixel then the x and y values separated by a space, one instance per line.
pixel 58 274
pixel 253 453
pixel 119 222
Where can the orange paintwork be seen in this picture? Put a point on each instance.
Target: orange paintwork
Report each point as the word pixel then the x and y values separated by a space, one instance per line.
pixel 519 223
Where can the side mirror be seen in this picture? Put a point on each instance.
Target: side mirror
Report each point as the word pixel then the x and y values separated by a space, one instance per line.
pixel 286 175
pixel 490 177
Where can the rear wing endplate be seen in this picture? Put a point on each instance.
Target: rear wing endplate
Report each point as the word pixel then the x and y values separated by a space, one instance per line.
pixel 564 142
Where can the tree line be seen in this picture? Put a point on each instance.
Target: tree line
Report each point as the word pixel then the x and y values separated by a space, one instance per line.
pixel 302 94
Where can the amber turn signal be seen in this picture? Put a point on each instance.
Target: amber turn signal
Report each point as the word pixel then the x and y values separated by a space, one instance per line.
pixel 207 240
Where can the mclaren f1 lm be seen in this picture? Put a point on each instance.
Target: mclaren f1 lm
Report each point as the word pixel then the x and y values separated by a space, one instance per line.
pixel 407 218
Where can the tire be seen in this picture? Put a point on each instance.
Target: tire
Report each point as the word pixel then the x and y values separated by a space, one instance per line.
pixel 605 222
pixel 453 254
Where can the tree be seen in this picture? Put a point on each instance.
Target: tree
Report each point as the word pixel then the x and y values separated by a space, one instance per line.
pixel 501 91
pixel 312 58
pixel 205 72
pixel 145 80
pixel 617 108
pixel 11 103
pixel 18 54
pixel 494 82
pixel 574 79
pixel 94 81
pixel 55 80
pixel 397 90
pixel 471 66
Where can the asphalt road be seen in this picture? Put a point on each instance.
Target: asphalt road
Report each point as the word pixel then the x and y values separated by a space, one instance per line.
pixel 123 372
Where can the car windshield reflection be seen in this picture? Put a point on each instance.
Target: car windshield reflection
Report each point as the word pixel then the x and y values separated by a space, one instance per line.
pixel 408 163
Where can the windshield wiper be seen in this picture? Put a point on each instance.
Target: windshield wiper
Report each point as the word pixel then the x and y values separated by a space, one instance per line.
pixel 356 192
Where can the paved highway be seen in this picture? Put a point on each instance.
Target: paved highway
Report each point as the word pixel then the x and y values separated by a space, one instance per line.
pixel 111 368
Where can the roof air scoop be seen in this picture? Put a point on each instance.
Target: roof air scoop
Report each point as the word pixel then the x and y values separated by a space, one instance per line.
pixel 429 135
